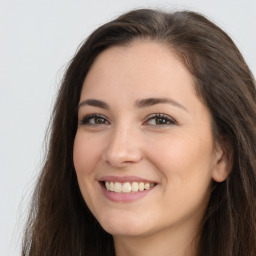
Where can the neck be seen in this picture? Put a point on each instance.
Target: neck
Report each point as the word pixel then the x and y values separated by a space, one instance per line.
pixel 165 243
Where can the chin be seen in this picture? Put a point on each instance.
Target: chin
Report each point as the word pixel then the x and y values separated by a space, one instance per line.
pixel 124 227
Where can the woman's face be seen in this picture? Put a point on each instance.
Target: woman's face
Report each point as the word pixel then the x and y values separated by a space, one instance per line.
pixel 145 135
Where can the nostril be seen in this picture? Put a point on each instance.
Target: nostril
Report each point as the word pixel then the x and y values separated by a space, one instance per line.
pixel 122 148
pixel 122 157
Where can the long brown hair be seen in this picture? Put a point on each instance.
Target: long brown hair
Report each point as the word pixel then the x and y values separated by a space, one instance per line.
pixel 60 222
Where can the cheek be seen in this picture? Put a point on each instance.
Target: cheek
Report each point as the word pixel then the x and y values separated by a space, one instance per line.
pixel 183 157
pixel 186 165
pixel 85 154
pixel 85 157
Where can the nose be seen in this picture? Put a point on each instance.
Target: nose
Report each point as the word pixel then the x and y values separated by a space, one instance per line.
pixel 123 148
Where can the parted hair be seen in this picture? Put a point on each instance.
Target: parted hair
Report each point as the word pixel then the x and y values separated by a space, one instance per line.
pixel 60 223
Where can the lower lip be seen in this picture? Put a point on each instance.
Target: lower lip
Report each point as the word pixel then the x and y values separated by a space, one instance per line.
pixel 124 197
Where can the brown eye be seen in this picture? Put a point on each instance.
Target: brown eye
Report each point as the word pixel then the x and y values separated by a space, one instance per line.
pixel 160 119
pixel 98 120
pixel 94 119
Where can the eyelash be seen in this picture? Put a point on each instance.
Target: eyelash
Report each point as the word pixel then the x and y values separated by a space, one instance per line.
pixel 167 119
pixel 86 120
pixel 157 116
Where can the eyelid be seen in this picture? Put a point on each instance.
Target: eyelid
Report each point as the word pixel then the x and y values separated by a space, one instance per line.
pixel 171 120
pixel 84 120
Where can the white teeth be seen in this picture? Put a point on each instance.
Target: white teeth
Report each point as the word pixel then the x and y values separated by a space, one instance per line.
pixel 141 186
pixel 111 186
pixel 135 186
pixel 107 185
pixel 118 187
pixel 147 186
pixel 127 187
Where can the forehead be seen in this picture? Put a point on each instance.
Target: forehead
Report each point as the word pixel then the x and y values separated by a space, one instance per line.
pixel 141 65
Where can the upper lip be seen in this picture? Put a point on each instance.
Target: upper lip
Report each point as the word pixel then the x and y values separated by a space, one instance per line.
pixel 123 179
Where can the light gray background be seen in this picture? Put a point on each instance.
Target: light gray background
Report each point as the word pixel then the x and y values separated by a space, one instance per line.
pixel 37 39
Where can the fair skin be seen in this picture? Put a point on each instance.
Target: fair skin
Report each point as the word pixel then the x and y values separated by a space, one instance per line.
pixel 149 127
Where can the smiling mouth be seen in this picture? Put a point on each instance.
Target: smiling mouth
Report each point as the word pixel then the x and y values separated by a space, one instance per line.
pixel 127 187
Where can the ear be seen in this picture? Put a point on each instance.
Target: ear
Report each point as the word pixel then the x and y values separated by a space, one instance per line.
pixel 223 161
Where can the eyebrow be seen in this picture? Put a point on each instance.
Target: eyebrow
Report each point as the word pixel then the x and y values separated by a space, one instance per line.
pixel 139 103
pixel 153 101
pixel 94 103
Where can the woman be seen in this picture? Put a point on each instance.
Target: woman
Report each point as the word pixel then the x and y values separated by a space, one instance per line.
pixel 152 145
